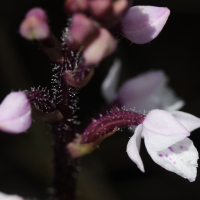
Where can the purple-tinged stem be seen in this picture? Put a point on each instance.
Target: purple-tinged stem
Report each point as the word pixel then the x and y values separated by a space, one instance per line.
pixel 65 98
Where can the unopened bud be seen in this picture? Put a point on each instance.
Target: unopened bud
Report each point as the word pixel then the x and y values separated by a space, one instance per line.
pixel 35 25
pixel 100 47
pixel 15 113
pixel 142 24
pixel 72 6
pixel 119 7
pixel 81 30
pixel 99 8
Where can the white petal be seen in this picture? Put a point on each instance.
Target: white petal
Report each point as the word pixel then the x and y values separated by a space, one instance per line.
pixel 133 148
pixel 180 158
pixel 109 84
pixel 162 122
pixel 190 122
pixel 159 142
pixel 9 197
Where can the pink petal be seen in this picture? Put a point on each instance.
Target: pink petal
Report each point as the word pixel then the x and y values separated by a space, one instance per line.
pixel 148 91
pixel 180 158
pixel 190 122
pixel 141 91
pixel 81 29
pixel 103 45
pixel 142 24
pixel 38 13
pixel 133 148
pixel 35 25
pixel 15 113
pixel 109 84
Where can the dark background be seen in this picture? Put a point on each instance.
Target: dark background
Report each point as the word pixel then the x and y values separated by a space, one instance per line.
pixel 108 173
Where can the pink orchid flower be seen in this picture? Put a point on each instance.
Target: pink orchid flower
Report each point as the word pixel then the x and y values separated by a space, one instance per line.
pixel 15 113
pixel 166 139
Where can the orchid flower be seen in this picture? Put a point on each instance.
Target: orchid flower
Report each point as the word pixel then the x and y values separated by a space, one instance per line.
pixel 9 197
pixel 15 113
pixel 165 136
pixel 141 24
pixel 144 92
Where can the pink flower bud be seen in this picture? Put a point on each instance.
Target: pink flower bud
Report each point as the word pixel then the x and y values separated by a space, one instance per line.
pixel 38 13
pixel 72 6
pixel 15 113
pixel 108 12
pixel 120 6
pixel 81 29
pixel 142 24
pixel 103 45
pixel 99 8
pixel 35 26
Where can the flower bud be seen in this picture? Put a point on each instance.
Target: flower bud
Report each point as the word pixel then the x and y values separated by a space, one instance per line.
pixel 15 113
pixel 99 8
pixel 81 29
pixel 35 26
pixel 120 6
pixel 100 47
pixel 142 24
pixel 72 6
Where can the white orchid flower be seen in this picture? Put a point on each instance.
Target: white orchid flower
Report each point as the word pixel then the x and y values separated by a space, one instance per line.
pixel 165 137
